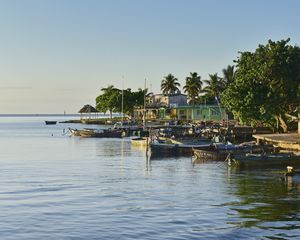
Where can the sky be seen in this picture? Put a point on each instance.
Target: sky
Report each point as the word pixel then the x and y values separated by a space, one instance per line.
pixel 56 55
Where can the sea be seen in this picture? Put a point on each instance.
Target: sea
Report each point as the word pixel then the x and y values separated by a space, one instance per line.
pixel 55 186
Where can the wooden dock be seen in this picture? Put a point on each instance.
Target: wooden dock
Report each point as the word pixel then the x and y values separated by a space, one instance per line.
pixel 288 141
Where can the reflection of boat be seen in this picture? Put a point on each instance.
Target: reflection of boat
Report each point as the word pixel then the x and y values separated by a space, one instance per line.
pixel 142 141
pixel 50 122
pixel 97 133
pixel 251 159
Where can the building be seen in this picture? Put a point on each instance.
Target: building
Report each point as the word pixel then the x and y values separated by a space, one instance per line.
pixel 162 100
pixel 174 106
pixel 158 104
pixel 199 113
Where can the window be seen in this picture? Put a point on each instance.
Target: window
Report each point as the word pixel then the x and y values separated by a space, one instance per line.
pixel 198 112
pixel 215 112
pixel 181 112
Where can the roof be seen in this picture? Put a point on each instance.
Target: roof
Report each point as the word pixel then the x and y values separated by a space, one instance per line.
pixel 88 109
pixel 197 106
pixel 170 95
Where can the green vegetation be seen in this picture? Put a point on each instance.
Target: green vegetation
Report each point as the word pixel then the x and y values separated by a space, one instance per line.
pixel 214 86
pixel 262 88
pixel 170 84
pixel 193 85
pixel 266 85
pixel 107 101
pixel 111 100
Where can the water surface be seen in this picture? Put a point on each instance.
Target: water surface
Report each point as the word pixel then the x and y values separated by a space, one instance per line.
pixel 54 186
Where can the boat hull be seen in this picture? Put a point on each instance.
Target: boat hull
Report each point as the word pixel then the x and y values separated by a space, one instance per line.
pixel 279 159
pixel 92 133
pixel 50 122
pixel 140 142
pixel 159 150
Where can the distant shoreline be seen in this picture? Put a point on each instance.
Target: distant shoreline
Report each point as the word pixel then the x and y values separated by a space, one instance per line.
pixel 39 115
pixel 101 115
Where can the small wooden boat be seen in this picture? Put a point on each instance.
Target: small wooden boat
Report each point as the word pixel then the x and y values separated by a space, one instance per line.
pixel 221 151
pixel 170 147
pixel 251 159
pixel 50 122
pixel 74 132
pixel 140 142
pixel 97 133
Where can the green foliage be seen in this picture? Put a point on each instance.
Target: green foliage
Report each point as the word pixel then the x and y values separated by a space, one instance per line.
pixel 214 86
pixel 111 100
pixel 266 85
pixel 193 86
pixel 228 75
pixel 170 84
pixel 205 99
pixel 107 101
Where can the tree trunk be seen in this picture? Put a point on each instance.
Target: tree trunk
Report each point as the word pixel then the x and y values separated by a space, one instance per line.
pixel 298 122
pixel 283 124
pixel 110 114
pixel 277 124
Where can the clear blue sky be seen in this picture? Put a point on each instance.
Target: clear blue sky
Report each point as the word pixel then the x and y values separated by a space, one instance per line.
pixel 56 55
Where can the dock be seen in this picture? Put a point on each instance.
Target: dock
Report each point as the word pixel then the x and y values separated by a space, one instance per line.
pixel 287 141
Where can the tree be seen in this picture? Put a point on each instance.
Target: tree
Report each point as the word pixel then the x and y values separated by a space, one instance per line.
pixel 131 100
pixel 228 75
pixel 266 86
pixel 111 100
pixel 107 101
pixel 170 84
pixel 214 86
pixel 193 86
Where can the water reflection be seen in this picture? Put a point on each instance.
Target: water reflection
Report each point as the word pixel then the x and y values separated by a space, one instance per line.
pixel 267 201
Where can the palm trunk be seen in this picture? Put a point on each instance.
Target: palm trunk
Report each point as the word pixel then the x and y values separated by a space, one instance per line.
pixel 110 114
pixel 298 122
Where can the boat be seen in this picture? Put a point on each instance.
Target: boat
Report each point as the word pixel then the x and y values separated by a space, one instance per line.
pixel 170 147
pixel 97 133
pixel 140 142
pixel 220 152
pixel 74 132
pixel 250 159
pixel 50 122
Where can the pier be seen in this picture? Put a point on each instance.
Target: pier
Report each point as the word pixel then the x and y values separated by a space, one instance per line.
pixel 288 141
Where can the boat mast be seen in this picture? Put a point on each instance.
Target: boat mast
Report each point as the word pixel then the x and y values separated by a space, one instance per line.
pixel 144 112
pixel 122 101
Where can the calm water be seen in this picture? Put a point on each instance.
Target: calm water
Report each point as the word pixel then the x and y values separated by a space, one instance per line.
pixel 58 187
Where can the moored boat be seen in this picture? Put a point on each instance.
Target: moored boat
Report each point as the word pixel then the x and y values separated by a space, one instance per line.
pixel 50 122
pixel 97 133
pixel 140 142
pixel 221 151
pixel 170 148
pixel 74 132
pixel 251 159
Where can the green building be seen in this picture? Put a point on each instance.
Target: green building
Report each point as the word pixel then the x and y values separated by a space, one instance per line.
pixel 194 113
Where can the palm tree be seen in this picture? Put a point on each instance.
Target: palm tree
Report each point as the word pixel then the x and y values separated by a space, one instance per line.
pixel 193 85
pixel 214 86
pixel 170 84
pixel 228 75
